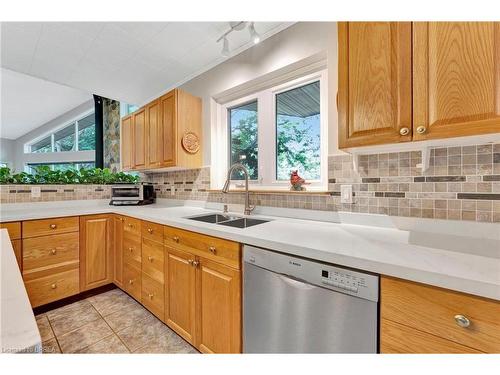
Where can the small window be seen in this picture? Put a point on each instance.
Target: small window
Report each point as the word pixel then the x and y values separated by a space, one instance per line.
pixel 64 139
pixel 31 167
pixel 86 133
pixel 244 138
pixel 298 132
pixel 44 145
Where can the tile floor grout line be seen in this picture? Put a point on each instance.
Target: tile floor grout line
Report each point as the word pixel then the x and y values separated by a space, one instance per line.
pixel 98 341
pixel 54 333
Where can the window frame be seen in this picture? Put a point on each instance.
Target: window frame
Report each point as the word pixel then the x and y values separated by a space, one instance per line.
pixel 74 156
pixel 267 131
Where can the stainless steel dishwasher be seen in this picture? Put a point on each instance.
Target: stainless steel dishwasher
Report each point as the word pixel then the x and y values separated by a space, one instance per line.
pixel 296 305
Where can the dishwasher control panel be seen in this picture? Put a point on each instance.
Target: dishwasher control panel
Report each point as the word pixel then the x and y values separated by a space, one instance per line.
pixel 345 280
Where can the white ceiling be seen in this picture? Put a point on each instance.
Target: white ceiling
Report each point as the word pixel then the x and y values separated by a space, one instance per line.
pixel 28 102
pixel 128 61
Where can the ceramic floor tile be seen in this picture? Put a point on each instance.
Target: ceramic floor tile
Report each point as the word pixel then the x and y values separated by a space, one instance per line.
pixel 112 301
pixel 71 317
pixel 50 347
pixel 142 333
pixel 109 345
pixel 84 336
pixel 168 342
pixel 127 317
pixel 43 324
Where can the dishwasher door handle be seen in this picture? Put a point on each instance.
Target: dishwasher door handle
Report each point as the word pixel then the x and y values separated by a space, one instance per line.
pixel 296 283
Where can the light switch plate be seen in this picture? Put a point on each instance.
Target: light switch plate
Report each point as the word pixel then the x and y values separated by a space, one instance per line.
pixel 345 193
pixel 36 191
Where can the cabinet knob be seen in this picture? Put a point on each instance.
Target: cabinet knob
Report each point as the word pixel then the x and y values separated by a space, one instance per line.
pixel 131 225
pixel 150 296
pixel 150 230
pixel 421 129
pixel 53 286
pixel 212 249
pixel 53 226
pixel 176 239
pixel 462 321
pixel 131 249
pixel 53 251
pixel 131 281
pixel 150 258
pixel 196 263
pixel 404 131
pixel 190 261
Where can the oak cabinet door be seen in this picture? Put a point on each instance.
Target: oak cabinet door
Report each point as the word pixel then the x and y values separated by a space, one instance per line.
pixel 126 142
pixel 456 79
pixel 139 137
pixel 154 135
pixel 180 293
pixel 169 124
pixel 95 251
pixel 374 97
pixel 219 311
pixel 118 251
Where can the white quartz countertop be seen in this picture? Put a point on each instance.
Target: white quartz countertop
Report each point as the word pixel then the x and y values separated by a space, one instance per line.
pixel 462 256
pixel 18 330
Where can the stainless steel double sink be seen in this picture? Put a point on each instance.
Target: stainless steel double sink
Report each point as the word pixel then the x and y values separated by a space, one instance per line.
pixel 228 220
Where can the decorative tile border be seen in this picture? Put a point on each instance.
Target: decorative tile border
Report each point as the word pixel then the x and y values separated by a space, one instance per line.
pixel 462 183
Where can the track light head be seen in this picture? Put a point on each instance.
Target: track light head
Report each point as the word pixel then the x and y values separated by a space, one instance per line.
pixel 253 34
pixel 225 47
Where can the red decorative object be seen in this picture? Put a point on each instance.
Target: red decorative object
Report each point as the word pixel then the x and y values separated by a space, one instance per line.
pixel 296 181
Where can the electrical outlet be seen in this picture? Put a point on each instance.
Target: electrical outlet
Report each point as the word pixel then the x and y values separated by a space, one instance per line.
pixel 36 191
pixel 345 193
pixel 172 189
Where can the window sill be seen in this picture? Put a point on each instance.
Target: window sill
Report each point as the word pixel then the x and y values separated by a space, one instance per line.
pixel 274 191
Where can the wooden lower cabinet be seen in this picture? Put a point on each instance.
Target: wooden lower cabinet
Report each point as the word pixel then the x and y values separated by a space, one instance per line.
pixel 398 338
pixel 153 296
pixel 118 250
pixel 17 245
pixel 14 230
pixel 52 287
pixel 132 281
pixel 96 233
pixel 218 308
pixel 448 320
pixel 180 297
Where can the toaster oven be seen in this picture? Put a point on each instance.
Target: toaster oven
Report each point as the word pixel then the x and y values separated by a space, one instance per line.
pixel 132 194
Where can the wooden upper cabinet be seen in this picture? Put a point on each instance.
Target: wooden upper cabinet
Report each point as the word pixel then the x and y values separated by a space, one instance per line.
pixel 456 79
pixel 154 152
pixel 374 98
pixel 96 237
pixel 118 250
pixel 127 142
pixel 168 119
pixel 140 138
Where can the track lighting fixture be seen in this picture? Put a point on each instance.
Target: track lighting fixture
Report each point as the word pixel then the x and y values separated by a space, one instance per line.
pixel 225 47
pixel 237 26
pixel 253 34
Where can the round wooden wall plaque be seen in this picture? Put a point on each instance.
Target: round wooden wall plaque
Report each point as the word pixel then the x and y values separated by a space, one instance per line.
pixel 191 142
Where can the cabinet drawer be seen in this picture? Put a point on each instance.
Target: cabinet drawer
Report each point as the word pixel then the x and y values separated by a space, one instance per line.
pixel 53 287
pixel 433 310
pixel 213 248
pixel 132 281
pixel 35 228
pixel 13 228
pixel 153 260
pixel 398 338
pixel 131 225
pixel 50 250
pixel 132 249
pixel 152 231
pixel 153 296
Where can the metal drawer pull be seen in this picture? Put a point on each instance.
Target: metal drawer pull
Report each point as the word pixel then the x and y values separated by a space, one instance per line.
pixel 131 282
pixel 176 239
pixel 150 258
pixel 53 286
pixel 131 225
pixel 53 226
pixel 53 251
pixel 421 129
pixel 404 131
pixel 131 249
pixel 462 321
pixel 150 230
pixel 212 249
pixel 150 296
pixel 190 261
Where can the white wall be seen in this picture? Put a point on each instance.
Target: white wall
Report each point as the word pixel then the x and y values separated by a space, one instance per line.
pixel 291 45
pixel 21 158
pixel 7 154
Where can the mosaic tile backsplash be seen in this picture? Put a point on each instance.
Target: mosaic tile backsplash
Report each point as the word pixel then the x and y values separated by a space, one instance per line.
pixel 462 183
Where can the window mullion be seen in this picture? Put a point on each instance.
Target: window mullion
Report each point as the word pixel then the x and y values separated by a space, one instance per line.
pixel 52 142
pixel 76 135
